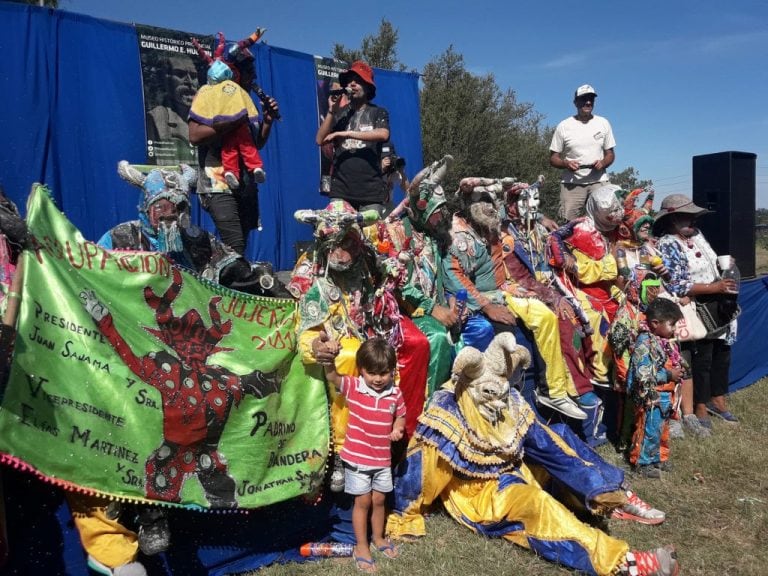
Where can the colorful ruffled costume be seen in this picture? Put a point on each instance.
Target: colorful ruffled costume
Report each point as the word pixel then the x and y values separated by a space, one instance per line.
pixel 495 468
pixel 591 280
pixel 222 100
pixel 352 305
pixel 404 236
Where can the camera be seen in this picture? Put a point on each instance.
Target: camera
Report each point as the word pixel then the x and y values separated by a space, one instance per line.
pixel 396 162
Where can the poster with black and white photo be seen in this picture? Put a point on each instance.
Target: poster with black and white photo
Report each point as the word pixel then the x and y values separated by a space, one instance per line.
pixel 171 71
pixel 327 74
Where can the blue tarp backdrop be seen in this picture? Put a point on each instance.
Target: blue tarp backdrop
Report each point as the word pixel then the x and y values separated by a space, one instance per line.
pixel 72 107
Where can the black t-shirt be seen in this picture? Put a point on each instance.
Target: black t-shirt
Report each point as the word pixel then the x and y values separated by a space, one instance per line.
pixel 357 174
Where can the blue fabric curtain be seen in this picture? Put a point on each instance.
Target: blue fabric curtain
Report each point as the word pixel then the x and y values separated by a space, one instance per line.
pixel 749 362
pixel 73 107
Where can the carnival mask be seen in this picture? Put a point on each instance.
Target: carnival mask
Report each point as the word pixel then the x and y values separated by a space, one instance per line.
pixel 528 203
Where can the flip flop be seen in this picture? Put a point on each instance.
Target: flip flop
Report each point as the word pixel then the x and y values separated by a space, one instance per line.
pixel 365 565
pixel 389 550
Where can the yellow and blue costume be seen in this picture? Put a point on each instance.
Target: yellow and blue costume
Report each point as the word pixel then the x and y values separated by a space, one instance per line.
pixel 500 479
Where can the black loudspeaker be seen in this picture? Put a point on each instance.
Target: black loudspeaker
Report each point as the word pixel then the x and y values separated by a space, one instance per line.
pixel 725 182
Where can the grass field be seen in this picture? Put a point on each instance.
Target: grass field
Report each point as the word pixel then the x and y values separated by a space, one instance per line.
pixel 716 500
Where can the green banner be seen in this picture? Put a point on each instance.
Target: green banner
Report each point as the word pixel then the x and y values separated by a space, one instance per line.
pixel 135 379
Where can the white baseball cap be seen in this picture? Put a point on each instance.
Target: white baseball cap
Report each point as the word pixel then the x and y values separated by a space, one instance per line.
pixel 584 90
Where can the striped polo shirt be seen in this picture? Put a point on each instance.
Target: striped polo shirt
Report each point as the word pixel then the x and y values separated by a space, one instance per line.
pixel 371 415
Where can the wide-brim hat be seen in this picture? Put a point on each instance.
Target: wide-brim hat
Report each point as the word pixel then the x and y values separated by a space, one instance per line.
pixel 679 204
pixel 362 71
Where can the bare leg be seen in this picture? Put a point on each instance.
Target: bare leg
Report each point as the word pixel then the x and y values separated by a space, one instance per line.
pixel 378 518
pixel 686 393
pixel 360 513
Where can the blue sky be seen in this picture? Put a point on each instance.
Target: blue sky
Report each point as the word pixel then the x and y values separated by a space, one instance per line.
pixel 676 78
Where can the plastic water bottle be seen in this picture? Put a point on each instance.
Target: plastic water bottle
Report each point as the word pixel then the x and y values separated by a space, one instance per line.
pixel 326 549
pixel 461 308
pixel 734 274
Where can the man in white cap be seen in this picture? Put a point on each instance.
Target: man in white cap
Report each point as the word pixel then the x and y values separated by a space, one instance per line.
pixel 582 146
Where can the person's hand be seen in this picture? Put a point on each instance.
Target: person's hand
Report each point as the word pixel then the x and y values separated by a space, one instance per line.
pixel 446 316
pixel 675 373
pixel 386 162
pixel 571 165
pixel 333 136
pixel 548 223
pixel 517 291
pixel 725 286
pixel 397 434
pixel 660 270
pixel 271 109
pixel 598 165
pixel 564 310
pixel 334 105
pixel 569 264
pixel 499 313
pixel 324 349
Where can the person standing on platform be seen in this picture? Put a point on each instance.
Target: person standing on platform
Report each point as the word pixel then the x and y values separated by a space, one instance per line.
pixel 357 132
pixel 582 146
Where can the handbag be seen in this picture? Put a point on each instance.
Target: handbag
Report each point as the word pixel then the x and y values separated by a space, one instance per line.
pixel 716 314
pixel 689 327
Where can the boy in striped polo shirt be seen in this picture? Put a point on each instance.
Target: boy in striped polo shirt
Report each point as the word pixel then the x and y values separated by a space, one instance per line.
pixel 376 419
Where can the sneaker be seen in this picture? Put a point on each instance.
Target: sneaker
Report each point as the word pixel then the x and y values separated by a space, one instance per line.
pixel 231 180
pixel 129 569
pixel 692 425
pixel 706 422
pixel 638 510
pixel 563 405
pixel 658 562
pixel 337 476
pixel 665 466
pixel 676 430
pixel 589 400
pixel 259 176
pixel 647 471
pixel 724 414
pixel 154 533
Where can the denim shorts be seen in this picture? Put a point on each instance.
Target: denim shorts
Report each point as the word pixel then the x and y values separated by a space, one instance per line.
pixel 358 482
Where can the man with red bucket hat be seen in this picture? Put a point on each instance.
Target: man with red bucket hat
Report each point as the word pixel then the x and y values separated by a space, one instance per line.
pixel 357 131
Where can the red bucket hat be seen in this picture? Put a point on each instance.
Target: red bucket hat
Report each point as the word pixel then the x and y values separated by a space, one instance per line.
pixel 363 71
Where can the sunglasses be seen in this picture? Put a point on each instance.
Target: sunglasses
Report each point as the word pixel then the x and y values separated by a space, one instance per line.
pixel 588 98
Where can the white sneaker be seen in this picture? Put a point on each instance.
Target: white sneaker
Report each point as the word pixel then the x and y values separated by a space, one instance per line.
pixel 129 569
pixel 692 425
pixel 638 510
pixel 563 405
pixel 259 176
pixel 231 180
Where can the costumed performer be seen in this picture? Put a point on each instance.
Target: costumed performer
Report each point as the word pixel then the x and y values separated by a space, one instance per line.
pixel 523 244
pixel 223 100
pixel 477 265
pixel 419 230
pixel 580 253
pixel 482 452
pixel 345 297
